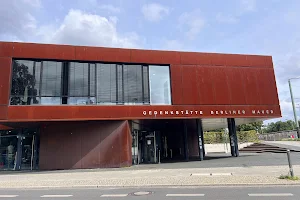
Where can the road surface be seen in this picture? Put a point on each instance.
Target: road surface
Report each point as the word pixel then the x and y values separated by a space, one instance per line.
pixel 164 193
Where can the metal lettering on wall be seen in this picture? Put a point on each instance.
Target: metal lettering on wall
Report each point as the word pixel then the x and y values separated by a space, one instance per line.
pixel 200 112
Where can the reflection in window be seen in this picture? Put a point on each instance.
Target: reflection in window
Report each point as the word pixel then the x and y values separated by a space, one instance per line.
pixel 25 82
pixel 82 83
pixel 78 83
pixel 50 100
pixel 160 92
pixel 106 84
pixel 133 85
pixel 51 79
pixel 33 81
pixel 82 100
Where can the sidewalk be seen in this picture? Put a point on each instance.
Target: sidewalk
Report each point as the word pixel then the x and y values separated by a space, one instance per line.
pixel 292 145
pixel 136 177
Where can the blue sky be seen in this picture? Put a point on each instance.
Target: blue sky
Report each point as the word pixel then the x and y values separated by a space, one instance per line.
pixel 232 26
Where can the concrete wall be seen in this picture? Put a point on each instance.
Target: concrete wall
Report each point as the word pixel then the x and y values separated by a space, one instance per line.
pixel 222 147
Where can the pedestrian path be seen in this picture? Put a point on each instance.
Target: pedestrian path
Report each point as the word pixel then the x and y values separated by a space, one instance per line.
pixel 185 195
pixel 292 145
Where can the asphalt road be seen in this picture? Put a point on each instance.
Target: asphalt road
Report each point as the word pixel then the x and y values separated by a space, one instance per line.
pixel 205 193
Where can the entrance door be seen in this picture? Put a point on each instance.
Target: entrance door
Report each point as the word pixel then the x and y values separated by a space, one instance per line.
pixel 18 150
pixel 8 149
pixel 28 154
pixel 150 152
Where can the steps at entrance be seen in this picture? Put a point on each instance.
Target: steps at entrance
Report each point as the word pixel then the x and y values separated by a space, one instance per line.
pixel 264 148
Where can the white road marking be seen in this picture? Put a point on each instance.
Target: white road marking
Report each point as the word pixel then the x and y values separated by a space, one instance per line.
pixel 8 196
pixel 57 196
pixel 185 195
pixel 271 195
pixel 221 174
pixel 201 174
pixel 114 195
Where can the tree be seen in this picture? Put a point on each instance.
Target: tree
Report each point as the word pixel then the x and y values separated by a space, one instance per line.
pixel 280 126
pixel 251 126
pixel 22 80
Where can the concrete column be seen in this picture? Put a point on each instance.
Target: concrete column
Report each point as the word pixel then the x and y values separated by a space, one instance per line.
pixel 233 137
pixel 200 139
pixel 185 139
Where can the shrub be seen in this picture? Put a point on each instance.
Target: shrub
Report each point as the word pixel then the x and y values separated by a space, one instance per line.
pixel 221 137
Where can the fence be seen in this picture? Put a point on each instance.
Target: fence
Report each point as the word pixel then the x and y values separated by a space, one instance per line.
pixel 277 136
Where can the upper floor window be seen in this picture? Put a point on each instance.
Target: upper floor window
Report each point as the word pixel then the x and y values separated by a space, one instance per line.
pixel 35 82
pixel 79 83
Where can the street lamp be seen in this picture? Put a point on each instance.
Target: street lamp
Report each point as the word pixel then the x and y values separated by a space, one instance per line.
pixel 293 103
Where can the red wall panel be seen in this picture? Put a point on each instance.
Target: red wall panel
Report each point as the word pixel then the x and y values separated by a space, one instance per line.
pixel 218 59
pixel 5 68
pixel 192 58
pixel 176 84
pixel 236 83
pixel 75 145
pixel 265 88
pixel 236 60
pixel 65 113
pixel 102 54
pixel 251 85
pixel 273 87
pixel 43 51
pixel 205 85
pixel 6 49
pixel 220 81
pixel 201 80
pixel 190 92
pixel 3 112
pixel 258 61
pixel 155 57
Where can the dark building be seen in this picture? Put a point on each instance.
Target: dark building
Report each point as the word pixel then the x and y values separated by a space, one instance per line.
pixel 64 107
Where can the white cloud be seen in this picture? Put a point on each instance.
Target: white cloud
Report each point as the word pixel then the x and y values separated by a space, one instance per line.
pixel 228 19
pixel 173 45
pixel 110 8
pixel 192 22
pixel 34 3
pixel 16 19
pixel 80 28
pixel 154 12
pixel 248 5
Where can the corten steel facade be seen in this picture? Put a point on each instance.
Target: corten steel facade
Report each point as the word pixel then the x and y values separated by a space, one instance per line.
pixel 202 85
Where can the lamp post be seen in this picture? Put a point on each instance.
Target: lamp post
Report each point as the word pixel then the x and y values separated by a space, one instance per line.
pixel 293 103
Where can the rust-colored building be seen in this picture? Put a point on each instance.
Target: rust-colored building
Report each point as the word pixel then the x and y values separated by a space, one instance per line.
pixel 64 107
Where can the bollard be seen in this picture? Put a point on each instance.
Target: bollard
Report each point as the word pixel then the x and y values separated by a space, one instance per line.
pixel 171 153
pixel 159 156
pixel 290 163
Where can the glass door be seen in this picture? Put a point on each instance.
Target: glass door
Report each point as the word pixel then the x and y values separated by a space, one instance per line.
pixel 150 153
pixel 29 149
pixel 8 150
pixel 27 152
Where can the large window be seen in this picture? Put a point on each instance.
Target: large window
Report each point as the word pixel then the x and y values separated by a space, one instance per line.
pixel 106 84
pixel 79 83
pixel 82 83
pixel 35 82
pixel 160 91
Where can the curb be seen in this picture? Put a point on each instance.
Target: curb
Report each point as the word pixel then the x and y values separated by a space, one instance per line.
pixel 149 186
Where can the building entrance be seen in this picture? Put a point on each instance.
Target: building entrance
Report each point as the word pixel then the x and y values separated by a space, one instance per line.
pixel 19 149
pixel 156 141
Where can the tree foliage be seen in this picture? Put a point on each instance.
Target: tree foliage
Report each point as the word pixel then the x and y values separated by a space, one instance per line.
pixel 280 126
pixel 252 126
pixel 22 79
